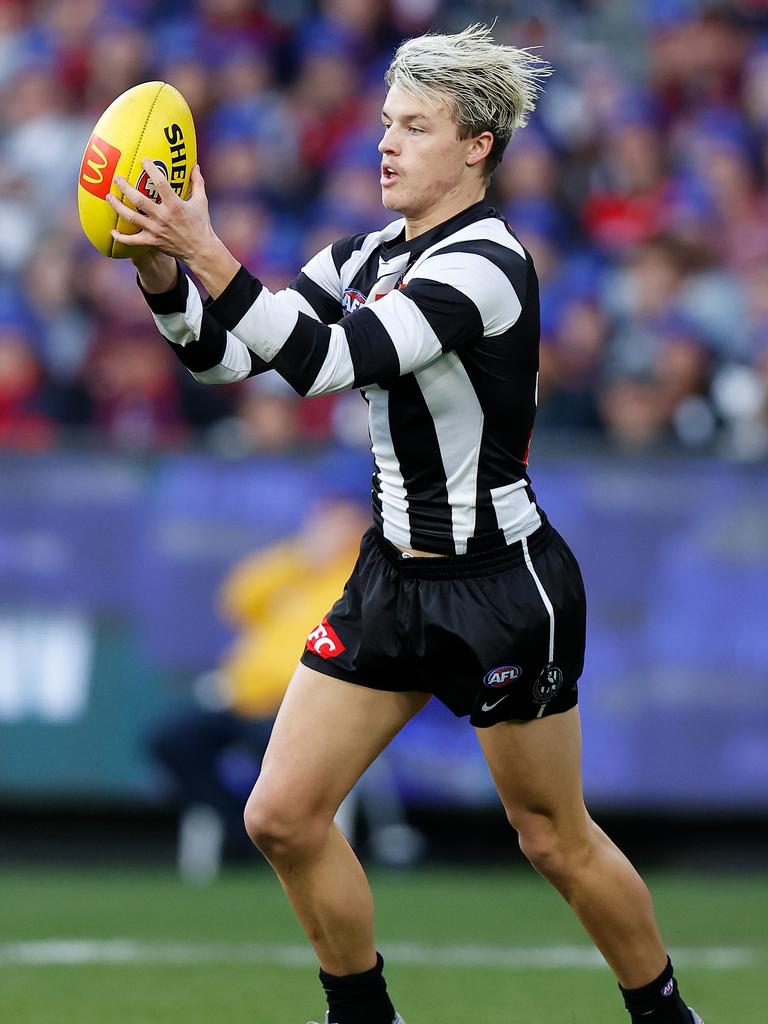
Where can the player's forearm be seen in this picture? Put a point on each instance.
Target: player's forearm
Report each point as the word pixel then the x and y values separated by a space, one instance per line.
pixel 214 266
pixel 157 272
pixel 201 343
pixel 290 341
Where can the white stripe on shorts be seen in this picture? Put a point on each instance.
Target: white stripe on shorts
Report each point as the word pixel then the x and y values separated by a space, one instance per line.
pixel 547 605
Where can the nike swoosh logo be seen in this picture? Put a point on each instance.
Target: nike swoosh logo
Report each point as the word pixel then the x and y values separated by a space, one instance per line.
pixel 490 707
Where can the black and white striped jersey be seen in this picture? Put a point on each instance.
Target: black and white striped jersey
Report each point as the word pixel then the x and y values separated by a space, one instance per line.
pixel 441 333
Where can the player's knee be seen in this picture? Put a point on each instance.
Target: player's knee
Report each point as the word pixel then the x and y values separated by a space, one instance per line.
pixel 552 850
pixel 279 828
pixel 270 827
pixel 540 843
pixel 555 851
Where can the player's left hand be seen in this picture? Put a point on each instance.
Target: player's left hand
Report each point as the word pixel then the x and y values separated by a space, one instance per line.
pixel 175 226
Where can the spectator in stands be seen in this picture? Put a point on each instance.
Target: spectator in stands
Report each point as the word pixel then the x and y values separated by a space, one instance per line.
pixel 265 421
pixel 666 139
pixel 24 419
pixel 132 392
pixel 569 366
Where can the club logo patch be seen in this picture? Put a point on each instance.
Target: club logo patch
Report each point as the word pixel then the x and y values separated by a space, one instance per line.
pixel 669 988
pixel 324 641
pixel 502 676
pixel 98 168
pixel 352 300
pixel 548 684
pixel 145 186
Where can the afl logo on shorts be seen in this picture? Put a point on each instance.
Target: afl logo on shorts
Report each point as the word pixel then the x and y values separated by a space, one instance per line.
pixel 324 641
pixel 548 684
pixel 502 675
pixel 145 186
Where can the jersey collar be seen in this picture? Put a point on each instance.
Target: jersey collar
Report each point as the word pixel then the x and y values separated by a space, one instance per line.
pixel 415 246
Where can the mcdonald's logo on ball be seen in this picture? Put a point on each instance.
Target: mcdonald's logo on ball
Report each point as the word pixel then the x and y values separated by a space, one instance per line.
pixel 98 168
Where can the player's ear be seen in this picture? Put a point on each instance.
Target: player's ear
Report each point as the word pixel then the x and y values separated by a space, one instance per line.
pixel 480 148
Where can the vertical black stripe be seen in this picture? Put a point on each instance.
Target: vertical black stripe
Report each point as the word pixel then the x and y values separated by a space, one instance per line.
pixel 417 449
pixel 503 373
pixel 375 479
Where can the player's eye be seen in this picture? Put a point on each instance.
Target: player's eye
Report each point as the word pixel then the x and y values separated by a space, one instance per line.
pixel 416 131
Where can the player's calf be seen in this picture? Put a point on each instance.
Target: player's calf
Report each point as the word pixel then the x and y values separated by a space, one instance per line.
pixel 612 903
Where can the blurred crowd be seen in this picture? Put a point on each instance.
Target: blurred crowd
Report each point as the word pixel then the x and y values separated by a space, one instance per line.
pixel 640 187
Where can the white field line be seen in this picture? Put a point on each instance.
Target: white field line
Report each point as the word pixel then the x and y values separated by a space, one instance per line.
pixel 129 951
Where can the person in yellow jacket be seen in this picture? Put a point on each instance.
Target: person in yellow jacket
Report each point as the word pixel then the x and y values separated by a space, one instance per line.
pixel 274 597
pixel 277 596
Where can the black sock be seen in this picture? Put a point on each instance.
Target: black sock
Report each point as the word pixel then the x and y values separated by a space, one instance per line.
pixel 358 998
pixel 657 1003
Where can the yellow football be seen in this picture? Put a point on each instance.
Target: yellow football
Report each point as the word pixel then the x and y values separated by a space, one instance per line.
pixel 150 120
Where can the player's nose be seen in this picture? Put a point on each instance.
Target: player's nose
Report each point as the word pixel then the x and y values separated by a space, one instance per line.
pixel 387 144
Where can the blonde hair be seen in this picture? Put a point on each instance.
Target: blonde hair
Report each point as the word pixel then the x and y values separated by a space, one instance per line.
pixel 488 86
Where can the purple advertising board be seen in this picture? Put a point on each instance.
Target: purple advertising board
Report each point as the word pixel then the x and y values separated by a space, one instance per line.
pixel 674 553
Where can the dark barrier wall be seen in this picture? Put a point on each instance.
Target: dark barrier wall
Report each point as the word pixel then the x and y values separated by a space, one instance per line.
pixel 108 567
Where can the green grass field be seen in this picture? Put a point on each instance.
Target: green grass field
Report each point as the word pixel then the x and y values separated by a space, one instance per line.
pixel 479 947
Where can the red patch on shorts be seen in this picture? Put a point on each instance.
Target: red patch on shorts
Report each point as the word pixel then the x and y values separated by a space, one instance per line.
pixel 324 641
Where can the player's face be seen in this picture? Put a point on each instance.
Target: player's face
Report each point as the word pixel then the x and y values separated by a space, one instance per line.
pixel 424 166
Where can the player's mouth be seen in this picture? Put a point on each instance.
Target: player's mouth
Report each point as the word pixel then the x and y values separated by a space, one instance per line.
pixel 389 176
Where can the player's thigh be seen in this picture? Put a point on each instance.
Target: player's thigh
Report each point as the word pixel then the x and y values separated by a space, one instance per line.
pixel 326 734
pixel 536 768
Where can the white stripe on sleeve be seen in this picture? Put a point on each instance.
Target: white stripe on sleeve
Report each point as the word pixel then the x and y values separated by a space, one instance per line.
pixel 322 271
pixel 414 340
pixel 183 328
pixel 267 325
pixel 236 365
pixel 337 372
pixel 297 300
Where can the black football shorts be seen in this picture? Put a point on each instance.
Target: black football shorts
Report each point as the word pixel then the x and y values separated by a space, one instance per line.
pixel 498 636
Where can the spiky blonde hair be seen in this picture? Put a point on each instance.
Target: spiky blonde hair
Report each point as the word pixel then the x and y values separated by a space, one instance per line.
pixel 488 86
